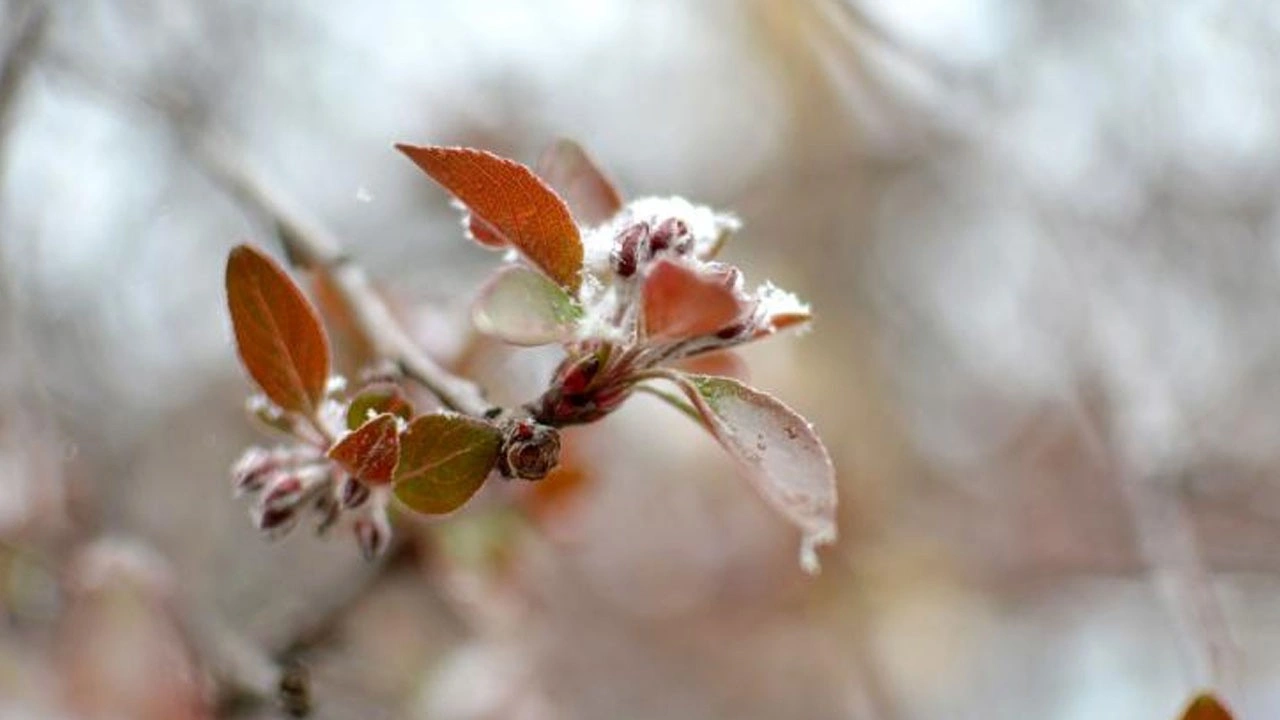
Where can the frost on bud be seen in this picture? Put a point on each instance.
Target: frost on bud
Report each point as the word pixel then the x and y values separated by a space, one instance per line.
pixel 670 234
pixel 253 468
pixel 529 450
pixel 627 247
pixel 283 492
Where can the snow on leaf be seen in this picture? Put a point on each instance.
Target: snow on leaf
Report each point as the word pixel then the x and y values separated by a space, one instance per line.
pixel 371 451
pixel 680 302
pixel 522 307
pixel 510 203
pixel 590 194
pixel 1206 707
pixel 444 459
pixel 278 333
pixel 782 455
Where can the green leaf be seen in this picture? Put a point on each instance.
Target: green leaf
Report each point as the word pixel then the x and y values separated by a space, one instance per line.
pixel 444 459
pixel 779 451
pixel 522 307
pixel 278 333
pixel 1206 707
pixel 370 452
pixel 375 399
pixel 511 203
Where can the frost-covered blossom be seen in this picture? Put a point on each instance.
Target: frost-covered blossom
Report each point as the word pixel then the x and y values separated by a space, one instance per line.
pixel 651 296
pixel 633 293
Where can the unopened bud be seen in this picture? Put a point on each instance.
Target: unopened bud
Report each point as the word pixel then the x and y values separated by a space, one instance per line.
pixel 276 523
pixel 251 471
pixel 577 373
pixel 284 491
pixel 352 493
pixel 529 450
pixel 626 249
pixel 671 233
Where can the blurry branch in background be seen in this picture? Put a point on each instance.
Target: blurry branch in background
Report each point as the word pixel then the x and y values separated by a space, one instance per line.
pixel 1169 548
pixel 310 246
pixel 27 22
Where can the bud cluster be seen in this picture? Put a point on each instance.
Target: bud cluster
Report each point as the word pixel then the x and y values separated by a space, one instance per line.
pixel 288 482
pixel 652 297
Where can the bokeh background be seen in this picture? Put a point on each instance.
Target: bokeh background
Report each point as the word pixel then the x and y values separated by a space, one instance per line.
pixel 1043 244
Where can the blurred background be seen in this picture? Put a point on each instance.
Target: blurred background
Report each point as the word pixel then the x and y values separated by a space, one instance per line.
pixel 1042 240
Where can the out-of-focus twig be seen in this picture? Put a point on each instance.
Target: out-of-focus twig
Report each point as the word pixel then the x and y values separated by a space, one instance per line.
pixel 310 245
pixel 28 22
pixel 1169 547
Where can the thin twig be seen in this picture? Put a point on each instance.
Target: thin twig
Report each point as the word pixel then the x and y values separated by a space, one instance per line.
pixel 310 245
pixel 29 22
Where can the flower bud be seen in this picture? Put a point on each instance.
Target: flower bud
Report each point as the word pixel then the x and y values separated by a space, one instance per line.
pixel 626 249
pixel 673 234
pixel 282 492
pixel 275 522
pixel 251 471
pixel 352 493
pixel 529 450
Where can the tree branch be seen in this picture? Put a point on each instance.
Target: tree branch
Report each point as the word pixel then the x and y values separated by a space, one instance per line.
pixel 309 245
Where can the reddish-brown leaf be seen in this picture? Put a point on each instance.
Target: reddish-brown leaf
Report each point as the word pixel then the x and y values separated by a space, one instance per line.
pixel 778 450
pixel 278 333
pixel 681 303
pixel 512 203
pixel 444 459
pixel 1206 707
pixel 568 168
pixel 371 451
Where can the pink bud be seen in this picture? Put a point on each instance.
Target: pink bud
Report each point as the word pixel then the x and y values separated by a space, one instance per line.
pixel 626 249
pixel 283 492
pixel 251 470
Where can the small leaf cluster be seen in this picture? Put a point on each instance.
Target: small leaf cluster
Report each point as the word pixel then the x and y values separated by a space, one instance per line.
pixel 632 292
pixel 349 453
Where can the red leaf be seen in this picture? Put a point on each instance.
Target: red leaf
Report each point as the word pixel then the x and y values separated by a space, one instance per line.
pixel 371 451
pixel 512 203
pixel 680 303
pixel 781 454
pixel 278 333
pixel 1206 707
pixel 571 171
pixel 444 459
